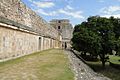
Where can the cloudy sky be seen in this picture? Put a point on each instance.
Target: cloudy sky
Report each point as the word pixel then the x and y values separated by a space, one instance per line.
pixel 76 11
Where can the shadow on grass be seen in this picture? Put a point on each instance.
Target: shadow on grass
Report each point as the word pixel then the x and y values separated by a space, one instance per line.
pixel 109 71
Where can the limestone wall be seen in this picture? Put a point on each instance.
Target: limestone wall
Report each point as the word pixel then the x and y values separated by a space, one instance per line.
pixel 23 32
pixel 65 28
pixel 17 11
pixel 15 42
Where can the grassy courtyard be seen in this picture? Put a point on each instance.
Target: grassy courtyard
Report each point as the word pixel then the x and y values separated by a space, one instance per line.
pixel 46 65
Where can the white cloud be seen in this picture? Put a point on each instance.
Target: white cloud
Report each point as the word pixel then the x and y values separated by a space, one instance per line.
pixel 110 9
pixel 68 1
pixel 30 0
pixel 43 4
pixel 41 11
pixel 68 11
pixel 101 1
pixel 69 7
pixel 116 16
pixel 75 14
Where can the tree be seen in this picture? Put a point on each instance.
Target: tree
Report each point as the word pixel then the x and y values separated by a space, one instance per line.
pixel 96 36
pixel 116 24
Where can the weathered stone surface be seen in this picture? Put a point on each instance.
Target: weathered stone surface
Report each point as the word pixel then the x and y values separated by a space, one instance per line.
pixel 82 71
pixel 15 43
pixel 65 29
pixel 17 11
pixel 23 32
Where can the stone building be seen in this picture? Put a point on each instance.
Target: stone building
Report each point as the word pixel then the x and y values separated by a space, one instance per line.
pixel 65 29
pixel 23 32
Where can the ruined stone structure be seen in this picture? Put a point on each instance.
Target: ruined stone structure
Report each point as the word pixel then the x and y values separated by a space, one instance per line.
pixel 23 32
pixel 65 29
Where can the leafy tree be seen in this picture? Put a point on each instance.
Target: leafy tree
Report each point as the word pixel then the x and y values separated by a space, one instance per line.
pixel 116 24
pixel 97 36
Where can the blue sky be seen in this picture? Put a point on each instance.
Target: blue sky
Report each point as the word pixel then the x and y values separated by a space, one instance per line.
pixel 76 11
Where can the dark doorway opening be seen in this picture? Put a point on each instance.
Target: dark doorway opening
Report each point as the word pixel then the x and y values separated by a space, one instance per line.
pixel 39 43
pixel 58 27
pixel 65 45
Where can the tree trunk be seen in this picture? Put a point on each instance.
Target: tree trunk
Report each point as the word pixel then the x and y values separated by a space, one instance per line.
pixel 102 57
pixel 103 63
pixel 103 60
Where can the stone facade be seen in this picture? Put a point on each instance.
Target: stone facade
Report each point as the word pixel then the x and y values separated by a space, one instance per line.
pixel 65 29
pixel 23 32
pixel 16 11
pixel 14 43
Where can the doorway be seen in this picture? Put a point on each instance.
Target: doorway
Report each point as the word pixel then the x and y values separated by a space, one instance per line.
pixel 39 43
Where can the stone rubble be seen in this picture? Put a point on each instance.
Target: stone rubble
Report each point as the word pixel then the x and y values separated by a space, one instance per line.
pixel 81 70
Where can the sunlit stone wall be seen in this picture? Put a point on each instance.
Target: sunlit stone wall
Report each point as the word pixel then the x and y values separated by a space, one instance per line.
pixel 23 32
pixel 17 11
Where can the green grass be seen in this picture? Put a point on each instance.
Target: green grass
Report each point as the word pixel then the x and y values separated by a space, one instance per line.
pixel 109 71
pixel 114 59
pixel 46 65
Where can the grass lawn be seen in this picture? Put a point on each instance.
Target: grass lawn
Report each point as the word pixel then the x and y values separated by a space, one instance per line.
pixel 46 65
pixel 109 71
pixel 115 59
